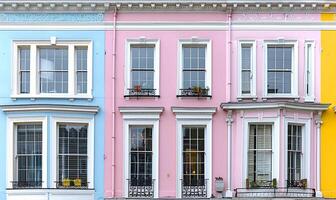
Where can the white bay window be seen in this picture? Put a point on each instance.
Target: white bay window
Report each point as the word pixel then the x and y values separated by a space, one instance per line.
pixel 60 70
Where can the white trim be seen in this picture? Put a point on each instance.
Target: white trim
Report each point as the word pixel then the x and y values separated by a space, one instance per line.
pixel 295 66
pixel 143 41
pixel 49 108
pixel 34 69
pixel 198 119
pixel 150 119
pixel 176 25
pixel 208 61
pixel 50 194
pixel 253 69
pixel 11 131
pixel 272 105
pixel 90 148
pixel 310 97
pixel 275 122
pixel 306 134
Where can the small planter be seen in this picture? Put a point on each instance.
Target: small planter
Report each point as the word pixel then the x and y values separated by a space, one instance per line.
pixel 137 88
pixel 219 183
pixel 77 182
pixel 274 183
pixel 66 182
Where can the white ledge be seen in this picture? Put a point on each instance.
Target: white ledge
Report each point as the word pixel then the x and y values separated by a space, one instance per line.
pixel 275 105
pixel 141 109
pixel 49 107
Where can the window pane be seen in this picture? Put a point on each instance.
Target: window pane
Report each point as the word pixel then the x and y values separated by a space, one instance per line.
pixel 260 153
pixel 279 59
pixel 81 68
pixel 53 63
pixel 246 82
pixel 140 155
pixel 29 155
pixel 193 156
pixel 294 155
pixel 24 60
pixel 72 152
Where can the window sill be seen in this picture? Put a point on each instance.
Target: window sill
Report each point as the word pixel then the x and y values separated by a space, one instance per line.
pixel 194 96
pixel 41 193
pixel 240 98
pixel 296 98
pixel 51 96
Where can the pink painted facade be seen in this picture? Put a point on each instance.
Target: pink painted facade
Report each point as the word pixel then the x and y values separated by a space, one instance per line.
pixel 224 89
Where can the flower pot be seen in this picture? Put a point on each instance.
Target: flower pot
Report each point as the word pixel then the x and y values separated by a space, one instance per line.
pixel 77 182
pixel 219 185
pixel 66 182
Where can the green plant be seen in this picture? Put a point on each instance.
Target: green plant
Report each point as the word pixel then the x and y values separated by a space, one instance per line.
pixel 247 182
pixel 66 182
pixel 304 183
pixel 77 182
pixel 274 183
pixel 197 90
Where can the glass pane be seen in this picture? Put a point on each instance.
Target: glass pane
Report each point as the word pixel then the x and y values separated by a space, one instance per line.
pixel 246 56
pixel 294 159
pixel 246 82
pixel 140 155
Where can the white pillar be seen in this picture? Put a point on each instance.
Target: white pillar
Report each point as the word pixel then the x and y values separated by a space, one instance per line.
pixel 318 156
pixel 229 122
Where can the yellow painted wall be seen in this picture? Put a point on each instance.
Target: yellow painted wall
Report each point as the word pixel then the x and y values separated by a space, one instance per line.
pixel 328 95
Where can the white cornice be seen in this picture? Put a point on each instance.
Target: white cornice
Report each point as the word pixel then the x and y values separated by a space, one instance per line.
pixel 134 5
pixel 172 25
pixel 275 105
pixel 141 113
pixel 49 108
pixel 195 113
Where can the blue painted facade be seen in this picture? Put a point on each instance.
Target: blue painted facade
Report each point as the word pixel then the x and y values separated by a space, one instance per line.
pixel 98 41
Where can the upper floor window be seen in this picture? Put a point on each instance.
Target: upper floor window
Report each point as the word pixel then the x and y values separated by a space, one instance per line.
pixel 247 69
pixel 63 69
pixel 195 69
pixel 309 70
pixel 142 68
pixel 281 66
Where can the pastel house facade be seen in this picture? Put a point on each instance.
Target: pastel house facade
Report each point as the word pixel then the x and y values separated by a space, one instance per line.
pixel 51 105
pixel 199 99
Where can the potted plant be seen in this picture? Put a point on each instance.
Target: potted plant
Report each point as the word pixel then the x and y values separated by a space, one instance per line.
pixel 247 183
pixel 274 183
pixel 77 182
pixel 219 182
pixel 66 182
pixel 304 183
pixel 137 88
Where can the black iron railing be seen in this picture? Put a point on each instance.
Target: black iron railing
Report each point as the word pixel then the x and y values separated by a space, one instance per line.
pixel 195 191
pixel 26 184
pixel 71 184
pixel 194 92
pixel 265 189
pixel 141 92
pixel 140 191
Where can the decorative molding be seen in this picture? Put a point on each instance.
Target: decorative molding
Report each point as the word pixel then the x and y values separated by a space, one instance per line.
pixel 49 108
pixel 229 119
pixel 51 17
pixel 275 105
pixel 141 113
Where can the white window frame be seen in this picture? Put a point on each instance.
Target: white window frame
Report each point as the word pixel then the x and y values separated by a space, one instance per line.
pixel 90 146
pixel 11 144
pixel 275 144
pixel 208 62
pixel 310 97
pixel 306 134
pixel 145 117
pixel 253 69
pixel 34 69
pixel 194 117
pixel 142 41
pixel 295 66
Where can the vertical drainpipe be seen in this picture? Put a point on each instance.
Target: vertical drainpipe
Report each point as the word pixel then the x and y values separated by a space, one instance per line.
pixel 228 67
pixel 318 151
pixel 114 98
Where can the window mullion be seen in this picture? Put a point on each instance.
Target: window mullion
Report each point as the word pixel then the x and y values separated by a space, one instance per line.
pixel 71 69
pixel 34 81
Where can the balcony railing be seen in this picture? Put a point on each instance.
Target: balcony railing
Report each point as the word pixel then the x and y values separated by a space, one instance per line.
pixel 194 92
pixel 195 191
pixel 141 92
pixel 140 191
pixel 265 189
pixel 71 184
pixel 26 184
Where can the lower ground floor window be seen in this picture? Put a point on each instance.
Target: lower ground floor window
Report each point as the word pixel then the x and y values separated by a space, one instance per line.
pixel 72 155
pixel 260 154
pixel 294 155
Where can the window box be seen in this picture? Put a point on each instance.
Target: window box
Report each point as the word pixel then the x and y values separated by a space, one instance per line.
pixel 141 92
pixel 194 92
